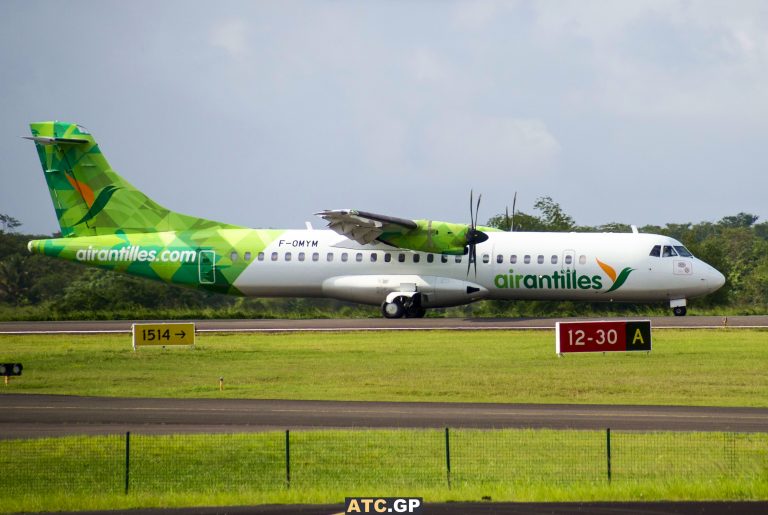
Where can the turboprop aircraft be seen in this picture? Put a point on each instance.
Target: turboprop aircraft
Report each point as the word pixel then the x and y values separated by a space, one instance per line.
pixel 405 266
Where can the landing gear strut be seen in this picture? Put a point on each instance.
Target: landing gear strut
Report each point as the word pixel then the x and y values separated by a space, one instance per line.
pixel 410 307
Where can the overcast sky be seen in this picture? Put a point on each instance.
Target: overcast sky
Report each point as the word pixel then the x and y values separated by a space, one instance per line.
pixel 262 113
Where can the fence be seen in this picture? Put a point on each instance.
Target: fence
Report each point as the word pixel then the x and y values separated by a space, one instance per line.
pixel 371 460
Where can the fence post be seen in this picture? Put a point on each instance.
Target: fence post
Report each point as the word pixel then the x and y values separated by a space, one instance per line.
pixel 288 458
pixel 127 460
pixel 608 450
pixel 448 457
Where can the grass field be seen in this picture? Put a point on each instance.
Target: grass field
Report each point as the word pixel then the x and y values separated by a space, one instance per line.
pixel 687 367
pixel 326 466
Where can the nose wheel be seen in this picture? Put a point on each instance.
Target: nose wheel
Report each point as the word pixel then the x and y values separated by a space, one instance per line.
pixel 679 311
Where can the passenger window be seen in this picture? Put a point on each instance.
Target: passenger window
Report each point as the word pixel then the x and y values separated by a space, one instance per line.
pixel 668 251
pixel 486 258
pixel 527 259
pixel 416 258
pixel 540 259
pixel 316 256
pixel 430 258
pixel 302 256
pixel 582 259
pixel 260 257
pixel 682 251
pixel 387 257
pixel 287 256
pixel 374 257
pixel 499 259
pixel 568 259
pixel 233 257
pixel 344 256
pixel 401 258
pixel 248 256
pixel 458 259
pixel 443 258
pixel 274 256
pixel 329 257
pixel 554 259
pixel 513 258
pixel 358 257
pixel 656 251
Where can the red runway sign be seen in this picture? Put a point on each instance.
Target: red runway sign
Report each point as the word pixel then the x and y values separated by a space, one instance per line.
pixel 621 336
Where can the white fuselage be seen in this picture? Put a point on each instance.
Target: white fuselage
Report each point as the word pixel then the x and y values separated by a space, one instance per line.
pixel 519 265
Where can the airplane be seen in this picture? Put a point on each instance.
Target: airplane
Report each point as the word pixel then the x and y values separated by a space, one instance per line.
pixel 404 266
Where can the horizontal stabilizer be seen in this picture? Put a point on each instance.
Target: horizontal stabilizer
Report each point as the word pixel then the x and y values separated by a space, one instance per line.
pixel 56 141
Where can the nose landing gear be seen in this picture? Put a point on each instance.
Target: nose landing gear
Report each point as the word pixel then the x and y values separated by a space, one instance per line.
pixel 678 307
pixel 679 311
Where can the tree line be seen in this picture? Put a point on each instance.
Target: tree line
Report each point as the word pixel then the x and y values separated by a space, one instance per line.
pixel 39 287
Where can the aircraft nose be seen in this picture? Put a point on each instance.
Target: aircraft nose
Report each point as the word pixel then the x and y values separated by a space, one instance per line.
pixel 716 280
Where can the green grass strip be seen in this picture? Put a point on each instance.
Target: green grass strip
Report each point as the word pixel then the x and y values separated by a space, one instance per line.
pixel 326 466
pixel 687 367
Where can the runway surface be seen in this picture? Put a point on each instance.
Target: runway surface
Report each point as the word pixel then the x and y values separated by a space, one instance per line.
pixel 29 416
pixel 377 324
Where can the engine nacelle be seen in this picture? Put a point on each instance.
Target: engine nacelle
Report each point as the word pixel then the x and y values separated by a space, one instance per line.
pixel 436 292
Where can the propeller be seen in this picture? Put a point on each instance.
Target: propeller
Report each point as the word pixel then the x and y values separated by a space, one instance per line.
pixel 474 236
pixel 509 223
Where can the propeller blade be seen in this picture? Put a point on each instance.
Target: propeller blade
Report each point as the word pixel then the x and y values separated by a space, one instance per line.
pixel 477 210
pixel 512 224
pixel 469 260
pixel 471 217
pixel 473 235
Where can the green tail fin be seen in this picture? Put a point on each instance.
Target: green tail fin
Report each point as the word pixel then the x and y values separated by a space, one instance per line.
pixel 92 199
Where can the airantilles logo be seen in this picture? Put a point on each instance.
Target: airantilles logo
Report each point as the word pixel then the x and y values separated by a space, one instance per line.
pixel 563 280
pixel 95 204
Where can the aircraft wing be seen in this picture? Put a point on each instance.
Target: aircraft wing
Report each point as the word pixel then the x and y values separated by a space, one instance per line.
pixel 364 227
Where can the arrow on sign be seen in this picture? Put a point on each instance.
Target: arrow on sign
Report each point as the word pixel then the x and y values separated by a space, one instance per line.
pixel 182 334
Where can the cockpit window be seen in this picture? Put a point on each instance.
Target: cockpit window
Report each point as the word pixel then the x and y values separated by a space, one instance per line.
pixel 668 251
pixel 656 251
pixel 682 251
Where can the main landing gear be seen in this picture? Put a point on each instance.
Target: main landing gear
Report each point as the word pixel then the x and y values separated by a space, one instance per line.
pixel 408 307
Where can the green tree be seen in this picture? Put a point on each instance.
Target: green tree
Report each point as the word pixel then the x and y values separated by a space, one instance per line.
pixel 553 215
pixel 8 223
pixel 552 218
pixel 741 220
pixel 15 281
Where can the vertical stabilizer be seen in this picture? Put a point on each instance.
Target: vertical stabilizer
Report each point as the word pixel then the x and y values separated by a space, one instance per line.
pixel 92 199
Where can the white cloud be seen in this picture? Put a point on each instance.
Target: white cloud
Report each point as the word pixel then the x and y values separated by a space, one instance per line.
pixel 426 66
pixel 468 144
pixel 230 35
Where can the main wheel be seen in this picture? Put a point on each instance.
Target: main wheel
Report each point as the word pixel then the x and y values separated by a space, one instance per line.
pixel 679 311
pixel 415 312
pixel 392 309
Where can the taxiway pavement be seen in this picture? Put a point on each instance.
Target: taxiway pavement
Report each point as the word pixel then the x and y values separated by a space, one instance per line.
pixel 377 324
pixel 31 416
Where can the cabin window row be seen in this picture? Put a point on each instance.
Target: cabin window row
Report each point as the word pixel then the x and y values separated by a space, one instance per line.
pixel 359 257
pixel 527 259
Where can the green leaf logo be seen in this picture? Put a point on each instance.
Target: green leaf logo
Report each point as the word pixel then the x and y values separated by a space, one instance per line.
pixel 618 280
pixel 99 204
